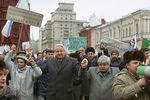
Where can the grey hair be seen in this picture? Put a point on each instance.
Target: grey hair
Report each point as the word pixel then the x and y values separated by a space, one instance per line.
pixel 103 59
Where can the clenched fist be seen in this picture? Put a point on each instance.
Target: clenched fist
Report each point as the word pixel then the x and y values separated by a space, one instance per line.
pixel 31 60
pixel 84 63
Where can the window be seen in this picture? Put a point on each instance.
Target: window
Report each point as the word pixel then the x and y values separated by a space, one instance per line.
pixel 137 28
pixel 123 34
pixel 129 31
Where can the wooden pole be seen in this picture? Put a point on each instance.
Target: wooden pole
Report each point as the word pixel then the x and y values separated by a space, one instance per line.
pixel 20 34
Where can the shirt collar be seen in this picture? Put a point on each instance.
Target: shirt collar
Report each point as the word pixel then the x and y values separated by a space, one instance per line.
pixel 98 70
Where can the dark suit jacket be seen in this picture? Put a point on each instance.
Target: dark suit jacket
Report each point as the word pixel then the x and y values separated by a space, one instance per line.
pixel 61 76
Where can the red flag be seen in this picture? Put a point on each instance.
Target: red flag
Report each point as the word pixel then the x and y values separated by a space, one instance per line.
pixel 2 38
pixel 10 38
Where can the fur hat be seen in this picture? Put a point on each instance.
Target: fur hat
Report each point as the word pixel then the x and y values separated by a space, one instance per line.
pixel 133 55
pixel 90 49
pixel 23 58
pixel 114 51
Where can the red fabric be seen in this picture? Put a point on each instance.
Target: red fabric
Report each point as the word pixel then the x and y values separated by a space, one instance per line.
pixel 2 38
pixel 10 39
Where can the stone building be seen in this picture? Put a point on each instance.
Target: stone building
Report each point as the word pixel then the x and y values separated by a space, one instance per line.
pixel 125 28
pixel 63 24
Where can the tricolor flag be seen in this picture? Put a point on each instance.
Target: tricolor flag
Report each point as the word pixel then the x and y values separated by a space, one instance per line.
pixel 24 4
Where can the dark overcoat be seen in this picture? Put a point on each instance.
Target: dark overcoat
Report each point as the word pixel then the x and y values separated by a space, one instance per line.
pixel 61 77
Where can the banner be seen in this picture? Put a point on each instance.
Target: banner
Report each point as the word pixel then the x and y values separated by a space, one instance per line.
pixel 76 43
pixel 24 4
pixel 115 44
pixel 145 43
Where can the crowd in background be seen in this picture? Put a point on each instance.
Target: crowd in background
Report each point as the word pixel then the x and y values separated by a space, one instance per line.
pixel 80 75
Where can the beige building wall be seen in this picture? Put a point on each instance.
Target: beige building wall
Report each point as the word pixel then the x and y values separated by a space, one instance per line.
pixel 95 38
pixel 125 28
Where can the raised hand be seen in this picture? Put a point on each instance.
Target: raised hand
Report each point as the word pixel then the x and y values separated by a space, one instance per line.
pixel 13 47
pixel 84 63
pixel 31 60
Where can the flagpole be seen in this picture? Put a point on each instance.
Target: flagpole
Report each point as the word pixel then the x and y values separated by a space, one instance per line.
pixel 20 34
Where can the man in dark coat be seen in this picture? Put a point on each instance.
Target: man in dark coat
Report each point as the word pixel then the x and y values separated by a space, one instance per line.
pixel 102 50
pixel 92 61
pixel 62 72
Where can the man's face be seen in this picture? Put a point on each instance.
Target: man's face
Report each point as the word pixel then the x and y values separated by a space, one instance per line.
pixel 146 54
pixel 103 67
pixel 132 42
pixel 49 55
pixel 114 55
pixel 3 75
pixel 21 63
pixel 40 56
pixel 132 66
pixel 82 51
pixel 90 55
pixel 59 52
pixel 102 46
pixel 44 53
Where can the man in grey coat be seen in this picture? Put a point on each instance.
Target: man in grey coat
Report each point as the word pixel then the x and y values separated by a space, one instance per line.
pixel 101 79
pixel 63 70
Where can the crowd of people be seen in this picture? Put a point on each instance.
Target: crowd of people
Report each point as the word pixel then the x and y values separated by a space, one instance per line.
pixel 80 75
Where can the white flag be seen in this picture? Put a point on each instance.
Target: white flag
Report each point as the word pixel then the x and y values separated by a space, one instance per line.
pixel 24 4
pixel 134 41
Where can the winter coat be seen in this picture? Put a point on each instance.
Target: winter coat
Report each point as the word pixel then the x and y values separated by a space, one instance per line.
pixel 43 80
pixel 126 87
pixel 10 94
pixel 22 79
pixel 84 88
pixel 100 83
pixel 61 77
pixel 118 62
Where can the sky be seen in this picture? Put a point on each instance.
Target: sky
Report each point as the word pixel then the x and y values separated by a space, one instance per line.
pixel 110 10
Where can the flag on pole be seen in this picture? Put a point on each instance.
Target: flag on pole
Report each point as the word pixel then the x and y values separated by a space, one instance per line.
pixel 146 43
pixel 24 4
pixel 134 41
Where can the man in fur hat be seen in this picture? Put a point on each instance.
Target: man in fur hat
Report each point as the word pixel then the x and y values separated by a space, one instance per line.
pixel 127 84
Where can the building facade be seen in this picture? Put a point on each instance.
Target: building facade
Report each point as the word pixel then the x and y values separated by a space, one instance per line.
pixel 63 24
pixel 125 28
pixel 15 30
pixel 91 34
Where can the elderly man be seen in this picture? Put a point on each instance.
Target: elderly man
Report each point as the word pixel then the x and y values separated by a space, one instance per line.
pixel 101 79
pixel 62 71
pixel 127 84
